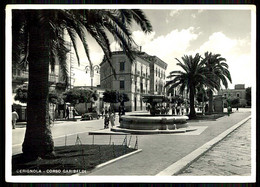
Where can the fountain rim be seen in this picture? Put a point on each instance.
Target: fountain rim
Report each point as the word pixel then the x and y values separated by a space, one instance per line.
pixel 149 117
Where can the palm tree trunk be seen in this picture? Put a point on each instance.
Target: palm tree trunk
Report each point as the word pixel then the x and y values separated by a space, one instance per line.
pixel 38 140
pixel 210 110
pixel 192 107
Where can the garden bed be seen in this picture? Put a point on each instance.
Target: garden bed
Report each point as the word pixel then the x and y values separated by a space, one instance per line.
pixel 69 160
pixel 209 116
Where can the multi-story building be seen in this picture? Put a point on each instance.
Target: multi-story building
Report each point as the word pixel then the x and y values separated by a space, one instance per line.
pixel 146 75
pixel 238 92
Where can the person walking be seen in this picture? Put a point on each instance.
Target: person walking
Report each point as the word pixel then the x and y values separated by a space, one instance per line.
pixel 15 117
pixel 182 109
pixel 106 121
pixel 102 112
pixel 173 109
pixel 112 119
pixel 187 110
pixel 67 113
pixel 178 109
pixel 74 113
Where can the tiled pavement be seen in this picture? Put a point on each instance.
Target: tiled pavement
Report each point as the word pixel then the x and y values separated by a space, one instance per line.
pixel 231 156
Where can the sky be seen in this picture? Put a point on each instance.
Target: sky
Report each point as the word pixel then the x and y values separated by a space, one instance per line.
pixel 178 32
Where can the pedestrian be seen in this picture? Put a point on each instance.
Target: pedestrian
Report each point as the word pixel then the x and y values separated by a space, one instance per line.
pixel 112 119
pixel 120 112
pixel 178 109
pixel 173 109
pixel 237 108
pixel 67 113
pixel 182 109
pixel 74 113
pixel 15 117
pixel 206 108
pixel 102 112
pixel 106 121
pixel 50 117
pixel 229 110
pixel 187 110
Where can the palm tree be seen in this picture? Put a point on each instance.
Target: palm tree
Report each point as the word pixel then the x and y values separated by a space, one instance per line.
pixel 193 75
pixel 38 41
pixel 219 72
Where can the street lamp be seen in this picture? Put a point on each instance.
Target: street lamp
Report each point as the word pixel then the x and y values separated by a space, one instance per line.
pixel 91 69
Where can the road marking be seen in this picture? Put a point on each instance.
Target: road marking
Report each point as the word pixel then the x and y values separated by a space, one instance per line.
pixel 178 166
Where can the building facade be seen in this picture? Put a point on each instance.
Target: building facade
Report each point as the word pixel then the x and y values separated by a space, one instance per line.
pixel 146 75
pixel 238 92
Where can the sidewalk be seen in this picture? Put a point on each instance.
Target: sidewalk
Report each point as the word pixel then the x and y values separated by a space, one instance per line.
pixel 161 151
pixel 229 157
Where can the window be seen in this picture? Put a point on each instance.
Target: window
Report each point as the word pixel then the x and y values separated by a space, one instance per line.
pixel 237 94
pixel 156 72
pixel 225 95
pixel 122 84
pixel 122 66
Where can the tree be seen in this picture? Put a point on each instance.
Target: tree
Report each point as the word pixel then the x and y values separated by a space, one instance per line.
pixel 193 74
pixel 38 41
pixel 110 96
pixel 248 96
pixel 123 97
pixel 219 73
pixel 75 96
pixel 22 95
pixel 201 97
pixel 235 102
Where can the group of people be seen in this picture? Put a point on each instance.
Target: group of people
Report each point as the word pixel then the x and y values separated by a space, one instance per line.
pixel 179 109
pixel 109 116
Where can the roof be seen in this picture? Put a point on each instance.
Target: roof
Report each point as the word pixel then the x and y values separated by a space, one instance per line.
pixel 145 56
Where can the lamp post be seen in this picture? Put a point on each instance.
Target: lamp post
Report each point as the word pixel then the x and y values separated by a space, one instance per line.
pixel 91 69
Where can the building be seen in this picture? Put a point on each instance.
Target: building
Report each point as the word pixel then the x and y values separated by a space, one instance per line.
pixel 146 75
pixel 238 92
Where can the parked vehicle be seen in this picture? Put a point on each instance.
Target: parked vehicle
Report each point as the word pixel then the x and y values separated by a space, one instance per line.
pixel 90 116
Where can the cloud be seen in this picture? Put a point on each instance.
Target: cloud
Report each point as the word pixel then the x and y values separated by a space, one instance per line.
pixel 167 47
pixel 235 51
pixel 177 42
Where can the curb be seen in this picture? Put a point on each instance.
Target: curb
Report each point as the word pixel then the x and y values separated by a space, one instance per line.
pixel 183 163
pixel 111 161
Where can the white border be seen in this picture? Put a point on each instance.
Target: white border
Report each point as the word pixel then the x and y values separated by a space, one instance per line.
pixel 102 179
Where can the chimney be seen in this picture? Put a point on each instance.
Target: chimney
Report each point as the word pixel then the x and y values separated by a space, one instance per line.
pixel 140 48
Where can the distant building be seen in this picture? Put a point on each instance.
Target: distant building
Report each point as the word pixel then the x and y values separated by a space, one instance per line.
pixel 146 75
pixel 238 92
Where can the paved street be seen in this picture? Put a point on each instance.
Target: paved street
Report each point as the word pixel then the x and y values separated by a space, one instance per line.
pixel 158 151
pixel 232 156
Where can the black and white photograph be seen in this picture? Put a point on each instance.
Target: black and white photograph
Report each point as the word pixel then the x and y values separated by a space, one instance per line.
pixel 130 93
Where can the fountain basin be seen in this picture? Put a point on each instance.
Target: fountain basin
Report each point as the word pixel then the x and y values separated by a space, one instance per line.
pixel 148 122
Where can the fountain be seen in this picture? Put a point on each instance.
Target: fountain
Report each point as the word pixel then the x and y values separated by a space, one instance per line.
pixel 156 122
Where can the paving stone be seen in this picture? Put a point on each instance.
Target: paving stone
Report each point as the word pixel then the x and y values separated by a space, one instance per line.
pixel 231 156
